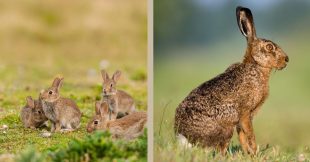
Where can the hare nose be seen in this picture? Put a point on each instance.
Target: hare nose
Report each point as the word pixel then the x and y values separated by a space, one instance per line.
pixel 286 59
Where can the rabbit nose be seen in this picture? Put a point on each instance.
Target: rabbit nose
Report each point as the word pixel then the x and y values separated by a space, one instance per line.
pixel 286 59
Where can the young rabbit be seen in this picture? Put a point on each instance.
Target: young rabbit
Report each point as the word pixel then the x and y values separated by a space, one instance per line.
pixel 129 127
pixel 120 103
pixel 209 114
pixel 62 112
pixel 32 114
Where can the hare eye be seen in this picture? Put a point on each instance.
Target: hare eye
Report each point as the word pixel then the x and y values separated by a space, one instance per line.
pixel 269 47
pixel 111 85
pixel 50 92
pixel 39 112
pixel 96 122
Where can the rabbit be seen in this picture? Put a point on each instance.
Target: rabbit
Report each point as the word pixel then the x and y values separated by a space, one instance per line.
pixel 129 127
pixel 63 113
pixel 120 103
pixel 209 114
pixel 32 114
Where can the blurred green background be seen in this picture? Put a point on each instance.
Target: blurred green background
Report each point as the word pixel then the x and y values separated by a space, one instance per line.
pixel 197 40
pixel 40 40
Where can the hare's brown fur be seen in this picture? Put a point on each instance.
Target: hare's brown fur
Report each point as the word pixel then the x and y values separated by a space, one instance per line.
pixel 209 114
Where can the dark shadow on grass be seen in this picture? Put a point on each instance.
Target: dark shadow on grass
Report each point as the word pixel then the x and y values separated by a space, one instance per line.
pixel 233 149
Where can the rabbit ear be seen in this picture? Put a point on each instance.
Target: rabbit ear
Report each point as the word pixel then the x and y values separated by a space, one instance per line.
pixel 59 84
pixel 30 102
pixel 105 75
pixel 116 75
pixel 104 108
pixel 97 107
pixel 101 108
pixel 246 23
pixel 55 82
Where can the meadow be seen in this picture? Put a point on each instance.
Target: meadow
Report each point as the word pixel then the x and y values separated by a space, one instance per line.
pixel 281 126
pixel 75 40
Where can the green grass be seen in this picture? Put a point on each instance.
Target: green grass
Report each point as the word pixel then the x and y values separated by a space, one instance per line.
pixel 282 124
pixel 73 39
pixel 97 146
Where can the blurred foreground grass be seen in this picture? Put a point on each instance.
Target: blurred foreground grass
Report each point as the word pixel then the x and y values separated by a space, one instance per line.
pixel 282 124
pixel 73 39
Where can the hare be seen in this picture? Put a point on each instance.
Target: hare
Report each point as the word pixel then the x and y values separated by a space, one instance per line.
pixel 32 114
pixel 62 112
pixel 209 114
pixel 120 103
pixel 129 127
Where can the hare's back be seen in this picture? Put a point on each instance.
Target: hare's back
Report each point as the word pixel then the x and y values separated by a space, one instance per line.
pixel 214 100
pixel 215 92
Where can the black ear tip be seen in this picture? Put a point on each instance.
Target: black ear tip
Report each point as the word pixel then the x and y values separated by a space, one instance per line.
pixel 239 8
pixel 244 9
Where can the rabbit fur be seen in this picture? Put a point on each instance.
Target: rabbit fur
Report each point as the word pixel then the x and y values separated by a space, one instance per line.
pixel 32 114
pixel 129 127
pixel 120 102
pixel 63 113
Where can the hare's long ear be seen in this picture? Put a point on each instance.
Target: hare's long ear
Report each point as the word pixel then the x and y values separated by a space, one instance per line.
pixel 246 23
pixel 116 75
pixel 104 75
pixel 30 102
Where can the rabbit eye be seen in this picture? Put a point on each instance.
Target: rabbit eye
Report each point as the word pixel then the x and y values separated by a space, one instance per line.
pixel 269 47
pixel 39 112
pixel 96 122
pixel 50 92
pixel 111 85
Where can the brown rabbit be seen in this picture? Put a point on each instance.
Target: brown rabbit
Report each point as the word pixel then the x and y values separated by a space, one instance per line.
pixel 209 114
pixel 120 103
pixel 32 114
pixel 62 112
pixel 129 127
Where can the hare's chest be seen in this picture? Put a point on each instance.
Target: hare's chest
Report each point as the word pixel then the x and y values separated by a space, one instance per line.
pixel 257 94
pixel 252 91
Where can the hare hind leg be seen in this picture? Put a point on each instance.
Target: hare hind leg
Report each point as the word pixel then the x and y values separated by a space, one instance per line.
pixel 223 147
pixel 224 142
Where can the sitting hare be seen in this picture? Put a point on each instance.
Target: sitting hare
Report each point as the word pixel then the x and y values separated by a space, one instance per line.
pixel 209 114
pixel 62 112
pixel 129 127
pixel 120 103
pixel 32 114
